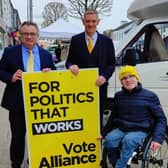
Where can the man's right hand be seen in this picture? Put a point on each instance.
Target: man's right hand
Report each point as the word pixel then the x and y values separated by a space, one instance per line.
pixel 17 75
pixel 74 69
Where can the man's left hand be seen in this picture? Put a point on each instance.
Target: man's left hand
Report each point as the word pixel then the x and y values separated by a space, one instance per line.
pixel 155 145
pixel 100 80
pixel 46 69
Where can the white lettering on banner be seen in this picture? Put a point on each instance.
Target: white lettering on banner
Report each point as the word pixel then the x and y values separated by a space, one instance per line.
pixel 60 126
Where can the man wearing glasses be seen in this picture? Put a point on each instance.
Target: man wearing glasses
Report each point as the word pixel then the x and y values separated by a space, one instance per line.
pixel 136 112
pixel 15 61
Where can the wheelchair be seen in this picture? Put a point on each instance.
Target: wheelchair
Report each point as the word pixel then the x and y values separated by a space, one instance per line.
pixel 143 157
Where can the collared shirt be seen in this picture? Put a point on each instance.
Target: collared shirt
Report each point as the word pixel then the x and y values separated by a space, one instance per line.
pixel 25 54
pixel 94 38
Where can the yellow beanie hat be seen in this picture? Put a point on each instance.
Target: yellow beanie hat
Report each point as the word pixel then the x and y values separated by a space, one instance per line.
pixel 128 70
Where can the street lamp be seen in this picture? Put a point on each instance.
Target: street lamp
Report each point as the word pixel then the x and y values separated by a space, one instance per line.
pixel 30 10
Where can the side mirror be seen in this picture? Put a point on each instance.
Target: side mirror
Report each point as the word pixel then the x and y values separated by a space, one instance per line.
pixel 130 56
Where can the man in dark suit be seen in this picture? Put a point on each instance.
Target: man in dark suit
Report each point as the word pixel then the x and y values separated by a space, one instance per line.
pixel 12 65
pixel 101 56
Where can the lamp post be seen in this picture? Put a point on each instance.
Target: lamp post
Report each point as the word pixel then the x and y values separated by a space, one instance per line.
pixel 30 10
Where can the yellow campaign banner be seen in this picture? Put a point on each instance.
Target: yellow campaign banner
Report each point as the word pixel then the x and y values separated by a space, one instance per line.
pixel 62 119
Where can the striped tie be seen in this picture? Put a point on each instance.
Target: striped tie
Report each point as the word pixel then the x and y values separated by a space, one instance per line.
pixel 90 45
pixel 30 62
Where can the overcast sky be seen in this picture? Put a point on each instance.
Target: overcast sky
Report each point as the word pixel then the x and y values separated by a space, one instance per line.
pixel 119 12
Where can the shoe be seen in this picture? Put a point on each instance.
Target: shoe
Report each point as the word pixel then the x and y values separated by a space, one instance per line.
pixel 103 164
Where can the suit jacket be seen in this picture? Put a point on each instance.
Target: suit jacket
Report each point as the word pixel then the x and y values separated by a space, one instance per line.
pixel 10 62
pixel 104 50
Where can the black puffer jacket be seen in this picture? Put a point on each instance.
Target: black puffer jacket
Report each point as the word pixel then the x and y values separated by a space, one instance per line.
pixel 139 110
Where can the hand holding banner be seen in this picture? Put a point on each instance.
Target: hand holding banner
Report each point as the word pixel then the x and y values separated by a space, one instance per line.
pixel 62 116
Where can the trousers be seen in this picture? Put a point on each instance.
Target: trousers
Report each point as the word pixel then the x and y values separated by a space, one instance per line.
pixel 18 132
pixel 129 142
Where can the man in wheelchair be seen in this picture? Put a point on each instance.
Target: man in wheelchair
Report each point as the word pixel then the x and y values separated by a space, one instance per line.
pixel 136 112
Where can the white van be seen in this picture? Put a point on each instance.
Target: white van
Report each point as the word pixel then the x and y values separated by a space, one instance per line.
pixel 146 46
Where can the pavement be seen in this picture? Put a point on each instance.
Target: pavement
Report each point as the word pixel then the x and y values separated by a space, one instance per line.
pixel 5 135
pixel 5 139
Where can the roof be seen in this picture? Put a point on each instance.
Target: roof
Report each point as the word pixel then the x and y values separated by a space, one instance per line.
pixel 60 29
pixel 145 9
pixel 123 26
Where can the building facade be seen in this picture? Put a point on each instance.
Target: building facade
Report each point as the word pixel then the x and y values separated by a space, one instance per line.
pixel 9 23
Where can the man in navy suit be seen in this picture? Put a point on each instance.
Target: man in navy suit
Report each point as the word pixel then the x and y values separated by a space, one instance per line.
pixel 102 55
pixel 12 65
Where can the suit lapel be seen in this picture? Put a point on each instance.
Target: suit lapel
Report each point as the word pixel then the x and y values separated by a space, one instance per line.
pixel 20 57
pixel 42 58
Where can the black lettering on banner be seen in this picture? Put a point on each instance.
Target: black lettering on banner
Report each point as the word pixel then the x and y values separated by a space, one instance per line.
pixel 59 160
pixel 59 126
pixel 90 97
pixel 77 148
pixel 66 98
pixel 44 86
pixel 50 113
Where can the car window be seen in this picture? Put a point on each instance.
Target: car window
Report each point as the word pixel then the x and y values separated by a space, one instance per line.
pixel 151 44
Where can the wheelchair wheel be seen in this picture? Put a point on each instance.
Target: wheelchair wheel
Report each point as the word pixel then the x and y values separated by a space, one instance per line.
pixel 156 159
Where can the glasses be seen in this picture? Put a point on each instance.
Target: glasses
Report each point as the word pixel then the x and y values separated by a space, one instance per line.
pixel 28 34
pixel 128 77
